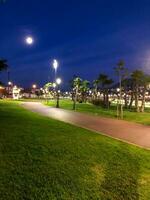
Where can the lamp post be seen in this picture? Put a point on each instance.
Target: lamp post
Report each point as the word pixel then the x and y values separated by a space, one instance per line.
pixel 33 91
pixel 58 82
pixel 9 87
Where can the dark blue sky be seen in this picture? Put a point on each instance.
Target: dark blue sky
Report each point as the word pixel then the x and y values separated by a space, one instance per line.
pixel 88 37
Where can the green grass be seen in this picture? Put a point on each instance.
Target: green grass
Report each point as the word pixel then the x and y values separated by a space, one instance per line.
pixel 44 159
pixel 143 118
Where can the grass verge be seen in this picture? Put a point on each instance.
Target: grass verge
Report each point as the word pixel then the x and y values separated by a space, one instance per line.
pixel 42 158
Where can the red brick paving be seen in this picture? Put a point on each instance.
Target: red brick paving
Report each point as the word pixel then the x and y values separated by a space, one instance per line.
pixel 127 131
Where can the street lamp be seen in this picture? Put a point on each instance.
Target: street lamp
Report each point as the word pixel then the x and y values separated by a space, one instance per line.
pixel 34 86
pixel 58 82
pixel 9 87
pixel 9 83
pixel 54 85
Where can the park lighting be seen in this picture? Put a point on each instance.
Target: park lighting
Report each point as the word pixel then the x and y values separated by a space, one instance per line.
pixel 54 85
pixel 118 89
pixel 9 83
pixel 58 81
pixel 34 86
pixel 55 64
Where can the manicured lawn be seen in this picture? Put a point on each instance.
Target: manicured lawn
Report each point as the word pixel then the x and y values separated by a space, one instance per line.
pixel 143 118
pixel 44 159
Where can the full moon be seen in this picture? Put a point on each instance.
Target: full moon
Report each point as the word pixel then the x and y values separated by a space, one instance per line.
pixel 29 40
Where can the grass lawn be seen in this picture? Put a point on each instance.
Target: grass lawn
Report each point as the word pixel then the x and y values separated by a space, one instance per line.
pixel 143 118
pixel 44 159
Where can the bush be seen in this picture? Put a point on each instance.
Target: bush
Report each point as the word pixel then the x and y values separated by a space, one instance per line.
pixel 97 102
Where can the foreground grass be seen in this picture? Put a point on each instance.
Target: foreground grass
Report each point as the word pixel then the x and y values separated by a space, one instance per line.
pixel 44 159
pixel 143 118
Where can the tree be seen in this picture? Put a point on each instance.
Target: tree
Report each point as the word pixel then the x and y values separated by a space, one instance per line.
pixel 122 73
pixel 137 77
pixel 104 81
pixel 47 87
pixel 140 84
pixel 126 87
pixel 76 87
pixel 84 89
pixel 95 85
pixel 145 83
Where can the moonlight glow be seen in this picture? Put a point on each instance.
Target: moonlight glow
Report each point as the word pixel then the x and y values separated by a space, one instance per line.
pixel 29 40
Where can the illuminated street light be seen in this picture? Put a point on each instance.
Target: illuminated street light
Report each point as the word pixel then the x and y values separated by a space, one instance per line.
pixel 55 64
pixel 118 89
pixel 9 83
pixel 34 86
pixel 58 81
pixel 54 85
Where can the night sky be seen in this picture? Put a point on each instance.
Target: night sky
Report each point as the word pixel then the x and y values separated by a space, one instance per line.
pixel 88 37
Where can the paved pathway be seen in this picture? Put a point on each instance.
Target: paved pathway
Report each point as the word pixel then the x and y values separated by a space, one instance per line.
pixel 127 131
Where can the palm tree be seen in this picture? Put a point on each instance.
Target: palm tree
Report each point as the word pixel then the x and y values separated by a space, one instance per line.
pixel 47 86
pixel 76 87
pixel 137 77
pixel 127 86
pixel 145 83
pixel 95 84
pixel 84 89
pixel 122 73
pixel 104 81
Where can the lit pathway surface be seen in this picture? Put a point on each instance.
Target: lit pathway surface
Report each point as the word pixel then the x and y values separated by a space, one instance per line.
pixel 127 131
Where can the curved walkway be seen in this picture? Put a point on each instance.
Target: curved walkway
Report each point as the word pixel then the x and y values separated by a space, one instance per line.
pixel 127 131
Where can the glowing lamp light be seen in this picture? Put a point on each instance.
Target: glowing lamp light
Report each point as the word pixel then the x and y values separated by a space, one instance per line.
pixel 118 89
pixel 55 64
pixel 34 86
pixel 58 81
pixel 54 85
pixel 9 83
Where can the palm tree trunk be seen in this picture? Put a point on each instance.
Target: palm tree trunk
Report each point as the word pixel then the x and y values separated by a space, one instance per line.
pixel 143 101
pixel 120 103
pixel 131 100
pixel 126 100
pixel 75 98
pixel 137 99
